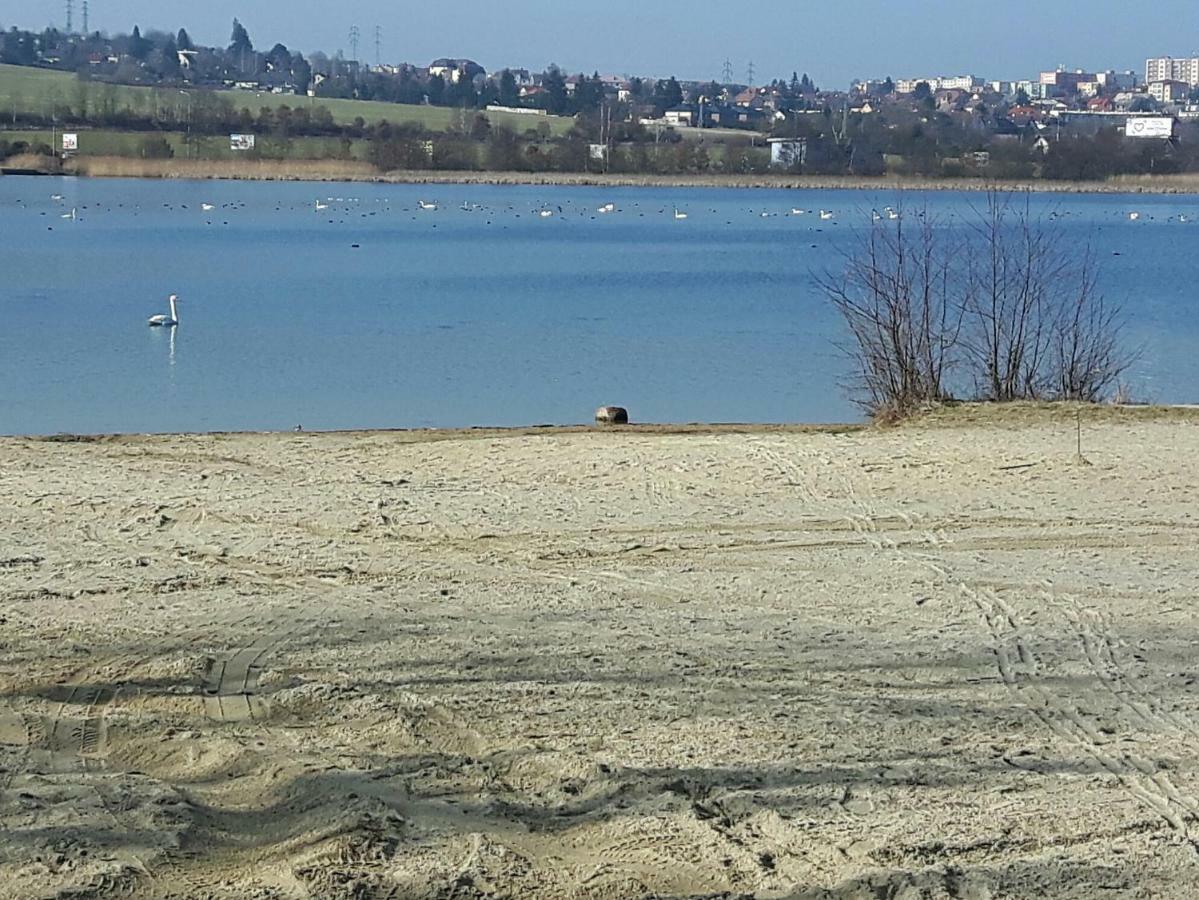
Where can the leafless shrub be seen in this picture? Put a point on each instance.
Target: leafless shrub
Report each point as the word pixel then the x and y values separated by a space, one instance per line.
pixel 1036 326
pixel 895 294
pixel 1006 307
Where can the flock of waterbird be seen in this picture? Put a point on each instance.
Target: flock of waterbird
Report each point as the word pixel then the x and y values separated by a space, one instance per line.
pixel 341 210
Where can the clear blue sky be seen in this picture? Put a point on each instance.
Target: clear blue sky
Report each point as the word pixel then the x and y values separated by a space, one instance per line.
pixel 835 41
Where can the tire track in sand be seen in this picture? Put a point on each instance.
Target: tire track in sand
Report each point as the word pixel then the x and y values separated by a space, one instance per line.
pixel 1022 672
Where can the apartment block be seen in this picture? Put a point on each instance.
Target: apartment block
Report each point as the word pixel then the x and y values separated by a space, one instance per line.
pixel 1166 68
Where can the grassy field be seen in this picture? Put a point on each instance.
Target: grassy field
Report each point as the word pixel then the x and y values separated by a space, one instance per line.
pixel 25 90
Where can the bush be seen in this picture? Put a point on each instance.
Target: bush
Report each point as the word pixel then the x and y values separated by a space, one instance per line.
pixel 1005 308
pixel 156 148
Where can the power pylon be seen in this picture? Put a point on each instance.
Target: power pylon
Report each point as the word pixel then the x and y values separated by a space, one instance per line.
pixel 355 36
pixel 749 73
pixel 85 31
pixel 70 16
pixel 378 45
pixel 727 73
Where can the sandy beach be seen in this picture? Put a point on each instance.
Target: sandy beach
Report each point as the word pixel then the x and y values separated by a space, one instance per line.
pixel 949 659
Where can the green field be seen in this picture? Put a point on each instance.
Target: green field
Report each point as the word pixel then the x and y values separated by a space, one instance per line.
pixel 25 90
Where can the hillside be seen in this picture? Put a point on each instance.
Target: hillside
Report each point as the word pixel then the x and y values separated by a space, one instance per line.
pixel 28 91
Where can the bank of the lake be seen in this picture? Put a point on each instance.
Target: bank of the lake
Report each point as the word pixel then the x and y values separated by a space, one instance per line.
pixel 353 170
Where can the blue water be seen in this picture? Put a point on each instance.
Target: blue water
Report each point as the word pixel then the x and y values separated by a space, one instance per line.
pixel 493 316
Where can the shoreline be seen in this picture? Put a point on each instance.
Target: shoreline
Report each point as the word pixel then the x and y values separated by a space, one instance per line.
pixel 354 171
pixel 961 415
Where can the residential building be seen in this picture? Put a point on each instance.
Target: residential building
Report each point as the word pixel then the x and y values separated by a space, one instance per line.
pixel 1165 68
pixel 939 83
pixel 1060 83
pixel 455 70
pixel 1169 91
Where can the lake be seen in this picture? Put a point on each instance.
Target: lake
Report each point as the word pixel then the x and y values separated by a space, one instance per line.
pixel 372 313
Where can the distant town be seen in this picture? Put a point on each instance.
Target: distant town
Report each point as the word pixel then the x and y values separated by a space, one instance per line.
pixel 1063 123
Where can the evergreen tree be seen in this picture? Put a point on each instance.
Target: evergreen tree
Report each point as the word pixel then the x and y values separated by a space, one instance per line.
pixel 139 47
pixel 183 40
pixel 240 42
pixel 170 60
pixel 555 90
pixel 509 95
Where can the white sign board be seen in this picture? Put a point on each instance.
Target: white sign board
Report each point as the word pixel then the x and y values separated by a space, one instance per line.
pixel 1150 127
pixel 70 142
pixel 241 142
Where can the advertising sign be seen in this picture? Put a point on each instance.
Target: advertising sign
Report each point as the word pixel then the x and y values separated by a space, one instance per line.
pixel 241 142
pixel 1150 127
pixel 70 143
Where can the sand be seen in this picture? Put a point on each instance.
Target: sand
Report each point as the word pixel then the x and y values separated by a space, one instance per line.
pixel 943 660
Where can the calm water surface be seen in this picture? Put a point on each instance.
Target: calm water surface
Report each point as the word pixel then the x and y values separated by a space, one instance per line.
pixel 484 315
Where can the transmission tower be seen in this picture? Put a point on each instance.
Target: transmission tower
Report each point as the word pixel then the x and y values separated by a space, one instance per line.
pixel 85 31
pixel 355 36
pixel 70 16
pixel 749 73
pixel 727 73
pixel 378 45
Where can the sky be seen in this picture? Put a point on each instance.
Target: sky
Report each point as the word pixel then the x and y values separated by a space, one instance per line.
pixel 835 42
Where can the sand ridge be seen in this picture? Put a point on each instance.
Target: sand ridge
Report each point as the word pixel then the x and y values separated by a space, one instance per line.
pixel 922 662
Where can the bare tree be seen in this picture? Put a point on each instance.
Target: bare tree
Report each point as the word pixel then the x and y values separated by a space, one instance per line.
pixel 1087 352
pixel 1006 304
pixel 896 295
pixel 1036 325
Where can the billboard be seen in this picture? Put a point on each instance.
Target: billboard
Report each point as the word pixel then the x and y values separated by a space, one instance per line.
pixel 1150 127
pixel 241 142
pixel 70 143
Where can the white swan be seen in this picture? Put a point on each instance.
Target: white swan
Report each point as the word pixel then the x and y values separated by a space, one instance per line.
pixel 826 214
pixel 1133 216
pixel 166 321
pixel 71 215
pixel 207 207
pixel 679 215
pixel 891 214
pixel 546 213
pixel 321 206
pixel 797 211
pixel 430 207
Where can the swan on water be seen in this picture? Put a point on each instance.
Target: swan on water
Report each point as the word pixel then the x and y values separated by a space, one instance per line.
pixel 321 206
pixel 166 321
pixel 207 207
pixel 1133 216
pixel 425 205
pixel 679 215
pixel 826 214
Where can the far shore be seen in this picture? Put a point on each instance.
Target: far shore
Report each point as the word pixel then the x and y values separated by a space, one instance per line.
pixel 332 170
